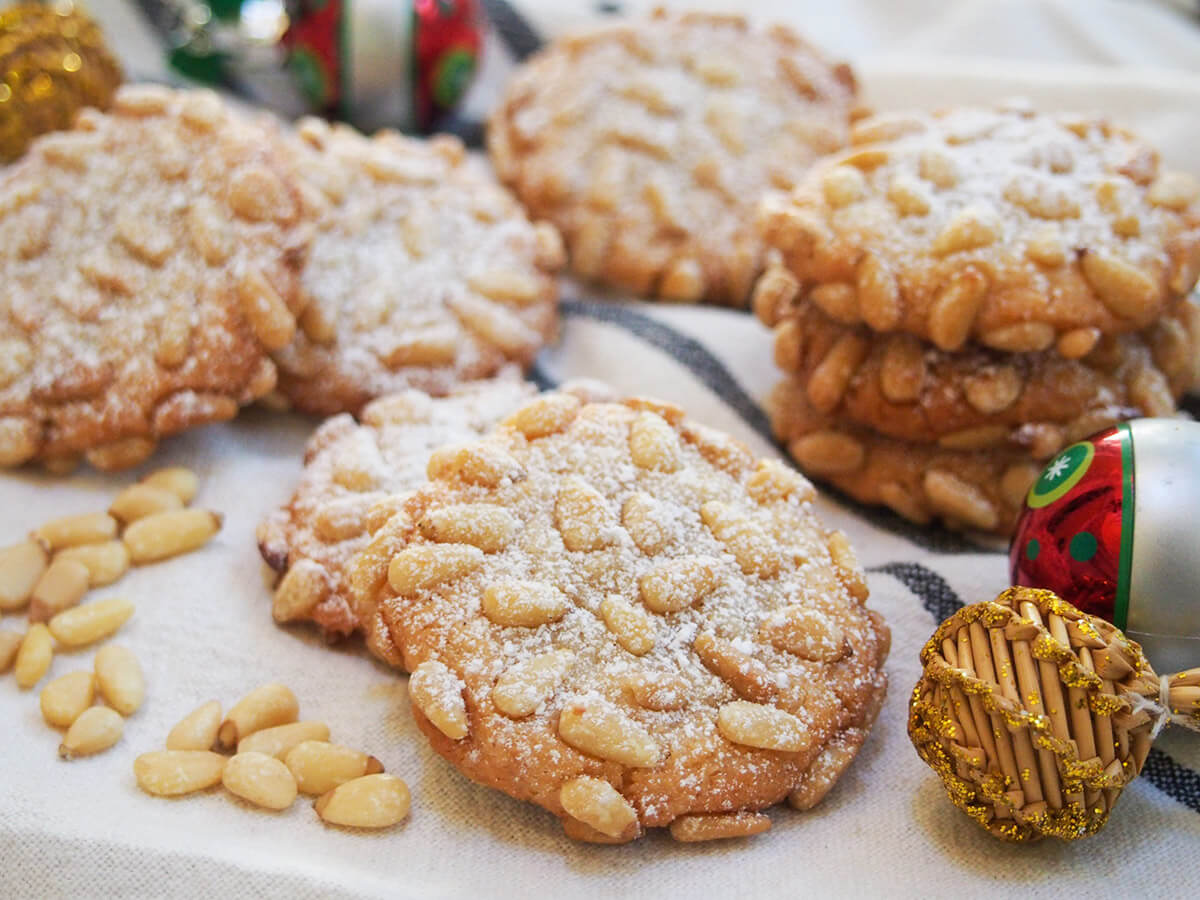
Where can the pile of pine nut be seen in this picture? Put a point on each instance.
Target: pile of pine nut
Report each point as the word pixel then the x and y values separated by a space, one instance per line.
pixel 52 570
pixel 275 757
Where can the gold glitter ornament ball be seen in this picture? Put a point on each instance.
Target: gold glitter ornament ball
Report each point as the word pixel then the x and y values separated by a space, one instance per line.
pixel 53 61
pixel 1036 715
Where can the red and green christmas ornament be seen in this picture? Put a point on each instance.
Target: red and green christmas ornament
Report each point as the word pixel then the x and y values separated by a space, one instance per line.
pixel 376 63
pixel 1112 525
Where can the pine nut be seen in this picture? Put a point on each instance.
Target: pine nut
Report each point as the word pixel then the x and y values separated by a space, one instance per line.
pixel 302 587
pixel 61 586
pixel 105 562
pixel 140 500
pixel 643 519
pixel 525 604
pixel 582 517
pixel 372 801
pixel 427 565
pixel 437 693
pixel 481 525
pixel 1124 288
pixel 10 643
pixel 606 732
pixel 597 803
pixel 264 707
pixel 91 622
pixel 744 538
pixel 319 766
pixel 902 371
pixel 845 562
pixel 678 583
pixel 119 678
pixel 181 482
pixel 34 656
pixel 762 726
pixel 545 415
pixel 878 295
pixel 773 481
pixel 165 534
pixel 480 463
pixel 260 779
pixel 632 628
pixel 654 444
pixel 581 831
pixel 197 730
pixel 96 729
pixel 748 677
pixel 21 566
pixel 828 452
pixel 170 773
pixel 277 741
pixel 951 496
pixel 806 633
pixel 718 827
pixel 525 686
pixel 70 531
pixel 65 698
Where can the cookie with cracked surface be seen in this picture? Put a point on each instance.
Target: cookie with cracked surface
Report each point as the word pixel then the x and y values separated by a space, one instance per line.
pixel 1016 230
pixel 622 616
pixel 649 143
pixel 975 398
pixel 352 470
pixel 149 259
pixel 423 272
pixel 968 490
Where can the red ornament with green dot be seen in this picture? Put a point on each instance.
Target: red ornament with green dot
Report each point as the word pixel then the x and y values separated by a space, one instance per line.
pixel 1112 525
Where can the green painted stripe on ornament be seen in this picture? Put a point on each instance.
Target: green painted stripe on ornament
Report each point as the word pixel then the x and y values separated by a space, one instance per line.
pixel 1125 561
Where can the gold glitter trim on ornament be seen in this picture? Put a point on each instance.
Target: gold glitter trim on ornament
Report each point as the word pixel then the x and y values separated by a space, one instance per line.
pixel 53 61
pixel 1035 715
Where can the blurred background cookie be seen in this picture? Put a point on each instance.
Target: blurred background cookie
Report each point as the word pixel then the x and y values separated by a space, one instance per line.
pixel 423 272
pixel 149 260
pixel 648 144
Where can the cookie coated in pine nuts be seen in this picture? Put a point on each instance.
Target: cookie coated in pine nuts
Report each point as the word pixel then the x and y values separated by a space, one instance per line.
pixel 423 272
pixel 971 490
pixel 648 144
pixel 621 615
pixel 976 397
pixel 351 467
pixel 149 257
pixel 1016 230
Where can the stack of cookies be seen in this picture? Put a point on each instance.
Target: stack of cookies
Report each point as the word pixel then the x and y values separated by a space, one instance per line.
pixel 960 295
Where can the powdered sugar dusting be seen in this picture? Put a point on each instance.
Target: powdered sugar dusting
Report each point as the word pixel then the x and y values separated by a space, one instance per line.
pixel 349 467
pixel 711 652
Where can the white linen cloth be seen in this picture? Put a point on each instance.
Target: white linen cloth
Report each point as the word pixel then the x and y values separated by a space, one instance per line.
pixel 203 628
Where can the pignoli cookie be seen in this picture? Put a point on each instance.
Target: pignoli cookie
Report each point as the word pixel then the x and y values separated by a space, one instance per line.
pixel 622 616
pixel 1016 230
pixel 970 490
pixel 351 467
pixel 649 143
pixel 423 272
pixel 976 397
pixel 149 260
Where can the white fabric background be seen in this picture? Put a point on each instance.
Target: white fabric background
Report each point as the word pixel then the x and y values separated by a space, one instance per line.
pixel 203 628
